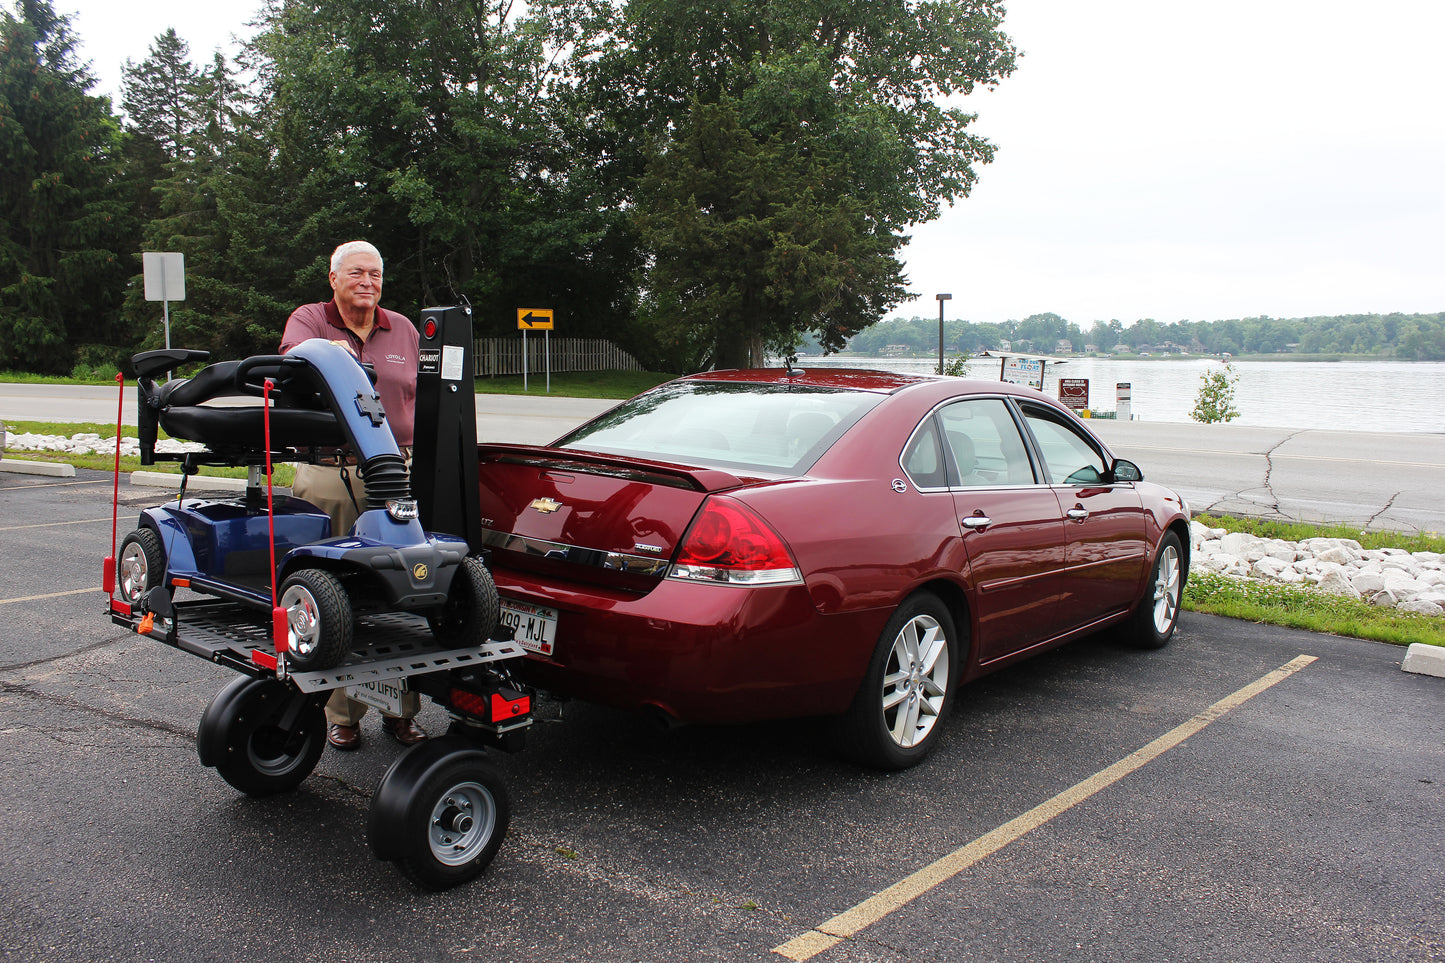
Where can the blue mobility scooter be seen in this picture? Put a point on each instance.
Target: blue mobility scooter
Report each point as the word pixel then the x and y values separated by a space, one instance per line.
pixel 257 582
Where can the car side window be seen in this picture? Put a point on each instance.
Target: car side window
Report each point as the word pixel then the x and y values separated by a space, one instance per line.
pixel 985 444
pixel 923 458
pixel 1071 459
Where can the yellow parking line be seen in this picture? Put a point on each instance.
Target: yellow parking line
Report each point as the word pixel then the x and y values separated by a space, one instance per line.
pixel 846 924
pixel 78 521
pixel 52 595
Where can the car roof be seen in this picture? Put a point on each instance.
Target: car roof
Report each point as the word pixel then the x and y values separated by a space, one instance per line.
pixel 856 379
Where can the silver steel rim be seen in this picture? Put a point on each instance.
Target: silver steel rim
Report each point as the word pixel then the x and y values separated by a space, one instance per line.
pixel 134 571
pixel 1166 589
pixel 303 620
pixel 915 682
pixel 461 824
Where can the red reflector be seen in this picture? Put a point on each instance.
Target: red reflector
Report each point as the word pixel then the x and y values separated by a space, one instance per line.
pixel 107 579
pixel 469 702
pixel 280 629
pixel 264 659
pixel 181 582
pixel 429 329
pixel 507 708
pixel 123 608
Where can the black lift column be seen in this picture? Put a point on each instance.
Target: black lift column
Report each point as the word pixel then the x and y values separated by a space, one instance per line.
pixel 444 464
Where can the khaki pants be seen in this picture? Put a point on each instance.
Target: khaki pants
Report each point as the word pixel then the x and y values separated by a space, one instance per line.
pixel 322 486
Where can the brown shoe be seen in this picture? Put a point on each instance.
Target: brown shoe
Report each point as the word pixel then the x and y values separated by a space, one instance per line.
pixel 404 731
pixel 345 738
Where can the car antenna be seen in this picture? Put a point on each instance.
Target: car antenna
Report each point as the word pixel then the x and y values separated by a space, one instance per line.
pixel 789 370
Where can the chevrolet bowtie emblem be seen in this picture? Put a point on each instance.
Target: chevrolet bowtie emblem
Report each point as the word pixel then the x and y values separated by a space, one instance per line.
pixel 545 505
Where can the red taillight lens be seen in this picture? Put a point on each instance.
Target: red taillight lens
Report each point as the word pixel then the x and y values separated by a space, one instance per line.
pixel 429 328
pixel 729 542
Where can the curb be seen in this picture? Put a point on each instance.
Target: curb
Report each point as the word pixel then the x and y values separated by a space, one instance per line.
pixel 160 479
pixel 1425 660
pixel 54 469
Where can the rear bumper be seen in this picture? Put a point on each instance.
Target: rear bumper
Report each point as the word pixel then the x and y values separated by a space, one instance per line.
pixel 699 652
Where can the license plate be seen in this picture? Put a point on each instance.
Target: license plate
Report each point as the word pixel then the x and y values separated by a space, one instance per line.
pixel 384 695
pixel 533 626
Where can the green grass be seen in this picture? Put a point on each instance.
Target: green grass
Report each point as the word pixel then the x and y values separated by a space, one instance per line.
pixel 1272 603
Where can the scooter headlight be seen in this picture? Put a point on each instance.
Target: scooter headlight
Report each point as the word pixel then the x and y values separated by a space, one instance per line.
pixel 402 509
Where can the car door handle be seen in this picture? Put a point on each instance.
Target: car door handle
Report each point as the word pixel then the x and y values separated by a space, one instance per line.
pixel 975 523
pixel 1077 514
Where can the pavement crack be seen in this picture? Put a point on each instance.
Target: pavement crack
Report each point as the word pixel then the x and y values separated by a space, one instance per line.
pixel 21 666
pixel 1388 505
pixel 65 702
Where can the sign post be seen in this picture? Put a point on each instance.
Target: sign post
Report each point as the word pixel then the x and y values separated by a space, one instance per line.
pixel 165 281
pixel 536 319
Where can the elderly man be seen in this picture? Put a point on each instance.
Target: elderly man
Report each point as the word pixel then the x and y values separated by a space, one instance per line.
pixel 388 341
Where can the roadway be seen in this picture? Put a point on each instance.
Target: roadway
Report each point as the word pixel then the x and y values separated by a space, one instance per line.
pixel 1376 480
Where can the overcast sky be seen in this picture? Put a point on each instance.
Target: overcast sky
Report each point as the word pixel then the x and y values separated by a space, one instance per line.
pixel 1155 159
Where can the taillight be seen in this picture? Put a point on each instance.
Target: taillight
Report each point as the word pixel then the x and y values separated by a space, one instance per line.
pixel 730 543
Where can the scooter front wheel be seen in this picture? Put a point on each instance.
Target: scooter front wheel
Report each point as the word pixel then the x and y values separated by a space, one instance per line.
pixel 318 619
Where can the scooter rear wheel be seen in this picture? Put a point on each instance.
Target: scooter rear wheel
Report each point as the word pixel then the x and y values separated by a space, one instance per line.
pixel 142 564
pixel 319 620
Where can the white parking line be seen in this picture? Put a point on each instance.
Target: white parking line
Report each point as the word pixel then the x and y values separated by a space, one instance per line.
pixel 843 926
pixel 52 595
pixel 77 521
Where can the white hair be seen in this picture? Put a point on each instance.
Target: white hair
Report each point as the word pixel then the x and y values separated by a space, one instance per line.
pixel 350 248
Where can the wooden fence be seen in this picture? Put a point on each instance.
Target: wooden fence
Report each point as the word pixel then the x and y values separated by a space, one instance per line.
pixel 503 356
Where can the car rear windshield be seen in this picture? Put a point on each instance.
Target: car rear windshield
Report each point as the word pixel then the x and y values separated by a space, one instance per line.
pixel 774 429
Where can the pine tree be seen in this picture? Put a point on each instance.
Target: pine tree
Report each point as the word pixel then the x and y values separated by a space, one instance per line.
pixel 159 95
pixel 63 218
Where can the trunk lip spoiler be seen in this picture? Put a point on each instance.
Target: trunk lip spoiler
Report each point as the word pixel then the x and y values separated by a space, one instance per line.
pixel 630 467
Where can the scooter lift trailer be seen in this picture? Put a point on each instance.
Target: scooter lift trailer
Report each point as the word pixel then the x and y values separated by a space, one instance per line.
pixel 427 621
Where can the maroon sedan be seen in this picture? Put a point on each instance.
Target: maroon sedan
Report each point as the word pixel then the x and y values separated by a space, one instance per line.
pixel 743 545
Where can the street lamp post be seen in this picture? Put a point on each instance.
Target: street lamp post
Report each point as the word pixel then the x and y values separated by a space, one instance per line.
pixel 941 298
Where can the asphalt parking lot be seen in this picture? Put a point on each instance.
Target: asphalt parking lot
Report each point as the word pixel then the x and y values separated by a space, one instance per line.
pixel 1247 793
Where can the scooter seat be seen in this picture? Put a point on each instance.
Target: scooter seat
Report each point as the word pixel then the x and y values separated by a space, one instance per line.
pixel 223 429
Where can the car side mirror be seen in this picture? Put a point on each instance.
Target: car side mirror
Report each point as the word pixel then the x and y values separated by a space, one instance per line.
pixel 1126 471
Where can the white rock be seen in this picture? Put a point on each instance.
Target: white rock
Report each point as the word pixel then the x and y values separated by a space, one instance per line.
pixel 1337 582
pixel 1367 583
pixel 1422 607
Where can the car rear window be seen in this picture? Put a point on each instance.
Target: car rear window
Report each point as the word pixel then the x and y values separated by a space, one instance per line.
pixel 777 429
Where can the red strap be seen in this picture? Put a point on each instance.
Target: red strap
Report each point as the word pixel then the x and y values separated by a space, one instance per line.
pixel 278 633
pixel 109 574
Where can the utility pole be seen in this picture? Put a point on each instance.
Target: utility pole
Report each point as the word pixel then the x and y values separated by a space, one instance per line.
pixel 941 298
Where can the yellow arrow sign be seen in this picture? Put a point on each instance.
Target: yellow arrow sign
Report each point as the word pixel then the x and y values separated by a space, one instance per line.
pixel 534 319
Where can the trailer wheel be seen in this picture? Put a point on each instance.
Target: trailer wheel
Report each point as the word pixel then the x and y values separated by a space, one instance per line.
pixel 440 813
pixel 262 736
pixel 471 609
pixel 319 620
pixel 142 564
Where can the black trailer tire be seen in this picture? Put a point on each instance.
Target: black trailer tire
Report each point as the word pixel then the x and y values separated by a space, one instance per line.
pixel 1157 615
pixel 896 718
pixel 472 607
pixel 319 620
pixel 440 813
pixel 262 736
pixel 141 565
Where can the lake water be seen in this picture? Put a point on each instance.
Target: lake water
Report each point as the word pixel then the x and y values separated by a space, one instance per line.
pixel 1341 395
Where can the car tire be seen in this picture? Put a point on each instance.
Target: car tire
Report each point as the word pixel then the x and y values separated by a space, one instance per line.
pixel 896 718
pixel 318 618
pixel 141 565
pixel 241 735
pixel 1157 614
pixel 470 613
